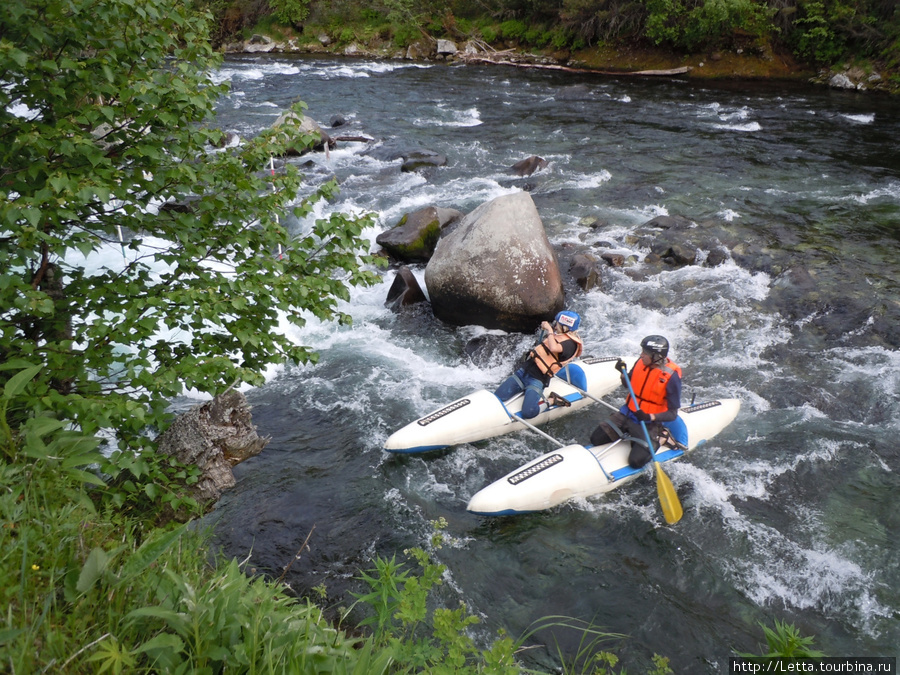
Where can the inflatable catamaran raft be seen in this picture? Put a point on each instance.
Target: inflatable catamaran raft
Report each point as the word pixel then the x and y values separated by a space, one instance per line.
pixel 579 471
pixel 482 415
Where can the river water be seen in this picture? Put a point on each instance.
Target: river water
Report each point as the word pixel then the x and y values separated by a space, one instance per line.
pixel 790 513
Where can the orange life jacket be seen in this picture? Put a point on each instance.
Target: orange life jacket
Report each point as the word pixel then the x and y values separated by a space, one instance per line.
pixel 649 386
pixel 548 362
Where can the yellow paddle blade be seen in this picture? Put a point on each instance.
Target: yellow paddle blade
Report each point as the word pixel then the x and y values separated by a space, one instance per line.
pixel 668 498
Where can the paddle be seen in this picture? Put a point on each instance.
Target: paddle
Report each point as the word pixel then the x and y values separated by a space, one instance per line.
pixel 668 498
pixel 588 395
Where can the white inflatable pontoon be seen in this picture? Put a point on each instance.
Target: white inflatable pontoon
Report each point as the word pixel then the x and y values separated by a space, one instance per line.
pixel 482 415
pixel 579 471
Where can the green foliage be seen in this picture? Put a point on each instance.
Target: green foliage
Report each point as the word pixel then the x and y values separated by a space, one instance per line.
pixel 785 641
pixel 88 592
pixel 421 638
pixel 590 656
pixel 537 36
pixel 415 14
pixel 710 23
pixel 513 30
pixel 489 33
pixel 370 15
pixel 107 115
pixel 405 36
pixel 816 38
pixel 150 486
pixel 290 12
pixel 561 38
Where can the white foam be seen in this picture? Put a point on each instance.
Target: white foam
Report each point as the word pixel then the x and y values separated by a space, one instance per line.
pixel 746 127
pixel 860 119
pixel 889 192
pixel 728 215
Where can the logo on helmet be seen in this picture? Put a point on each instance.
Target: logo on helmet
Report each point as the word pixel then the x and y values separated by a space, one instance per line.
pixel 655 344
pixel 568 319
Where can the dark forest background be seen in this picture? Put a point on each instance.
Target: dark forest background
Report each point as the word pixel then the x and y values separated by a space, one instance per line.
pixel 817 33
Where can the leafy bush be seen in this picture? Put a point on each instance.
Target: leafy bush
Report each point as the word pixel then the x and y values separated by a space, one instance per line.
pixel 489 34
pixel 815 38
pixel 346 36
pixel 405 36
pixel 785 641
pixel 370 15
pixel 537 36
pixel 420 638
pixel 560 38
pixel 709 23
pixel 290 12
pixel 513 30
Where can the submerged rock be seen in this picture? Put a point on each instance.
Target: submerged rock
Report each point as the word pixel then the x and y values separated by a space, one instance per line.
pixel 529 165
pixel 404 291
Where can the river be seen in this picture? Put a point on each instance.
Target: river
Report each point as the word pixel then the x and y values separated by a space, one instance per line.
pixel 790 514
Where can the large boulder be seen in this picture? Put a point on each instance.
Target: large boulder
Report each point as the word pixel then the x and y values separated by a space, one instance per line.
pixel 496 269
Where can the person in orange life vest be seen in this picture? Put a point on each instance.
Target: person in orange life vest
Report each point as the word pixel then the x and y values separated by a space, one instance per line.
pixel 656 381
pixel 561 345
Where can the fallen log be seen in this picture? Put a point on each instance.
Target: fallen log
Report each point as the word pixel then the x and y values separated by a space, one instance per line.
pixel 568 69
pixel 364 139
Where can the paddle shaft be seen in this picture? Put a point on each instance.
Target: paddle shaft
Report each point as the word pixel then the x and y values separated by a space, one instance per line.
pixel 643 426
pixel 590 396
pixel 516 418
pixel 668 498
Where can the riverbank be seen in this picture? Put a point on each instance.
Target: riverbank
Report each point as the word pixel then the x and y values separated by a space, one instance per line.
pixel 751 62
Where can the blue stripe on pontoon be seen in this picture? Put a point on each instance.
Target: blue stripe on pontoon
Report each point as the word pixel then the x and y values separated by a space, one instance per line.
pixel 420 448
pixel 505 512
pixel 664 456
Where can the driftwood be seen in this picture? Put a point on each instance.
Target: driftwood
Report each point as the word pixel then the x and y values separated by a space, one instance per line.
pixel 363 139
pixel 215 436
pixel 569 69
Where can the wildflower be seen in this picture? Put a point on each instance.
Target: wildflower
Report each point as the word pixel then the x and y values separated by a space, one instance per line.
pixel 35 567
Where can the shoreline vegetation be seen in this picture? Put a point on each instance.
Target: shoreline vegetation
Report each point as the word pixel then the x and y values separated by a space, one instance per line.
pixel 843 44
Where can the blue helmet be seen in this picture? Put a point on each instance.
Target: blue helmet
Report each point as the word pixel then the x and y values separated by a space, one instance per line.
pixel 568 319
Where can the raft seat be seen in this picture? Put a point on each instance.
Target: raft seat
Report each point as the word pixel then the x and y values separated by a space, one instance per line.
pixel 574 375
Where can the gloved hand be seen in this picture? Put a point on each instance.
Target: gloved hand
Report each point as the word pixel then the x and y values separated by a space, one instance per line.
pixel 621 366
pixel 642 416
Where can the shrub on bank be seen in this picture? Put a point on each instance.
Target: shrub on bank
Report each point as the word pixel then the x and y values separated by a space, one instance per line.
pixel 817 32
